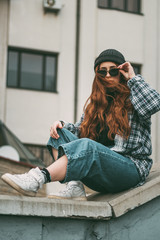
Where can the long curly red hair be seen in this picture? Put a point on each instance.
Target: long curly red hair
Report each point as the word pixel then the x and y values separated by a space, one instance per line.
pixel 108 105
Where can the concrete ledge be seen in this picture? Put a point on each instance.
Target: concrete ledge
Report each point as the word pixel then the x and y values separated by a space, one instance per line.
pixel 28 206
pixel 98 206
pixel 123 202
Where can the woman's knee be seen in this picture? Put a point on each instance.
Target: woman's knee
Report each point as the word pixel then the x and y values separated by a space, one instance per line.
pixel 66 134
pixel 86 143
pixel 60 130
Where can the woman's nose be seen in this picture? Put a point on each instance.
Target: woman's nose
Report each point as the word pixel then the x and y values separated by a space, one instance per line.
pixel 108 74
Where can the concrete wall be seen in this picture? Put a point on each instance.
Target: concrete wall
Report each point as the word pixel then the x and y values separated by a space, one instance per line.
pixel 141 223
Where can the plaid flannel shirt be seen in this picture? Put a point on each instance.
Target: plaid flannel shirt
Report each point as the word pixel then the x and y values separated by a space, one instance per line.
pixel 138 147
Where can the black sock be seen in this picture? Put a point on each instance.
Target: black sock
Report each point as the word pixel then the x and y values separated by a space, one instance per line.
pixel 46 175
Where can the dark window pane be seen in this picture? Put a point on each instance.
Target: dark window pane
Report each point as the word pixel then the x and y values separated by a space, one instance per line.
pixel 137 68
pixel 103 3
pixel 31 71
pixel 133 5
pixel 50 78
pixel 118 4
pixel 12 80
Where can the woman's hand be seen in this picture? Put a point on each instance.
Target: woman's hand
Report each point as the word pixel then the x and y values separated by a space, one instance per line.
pixel 127 70
pixel 53 129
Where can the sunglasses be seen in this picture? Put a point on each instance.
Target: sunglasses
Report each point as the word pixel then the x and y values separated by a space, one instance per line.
pixel 113 72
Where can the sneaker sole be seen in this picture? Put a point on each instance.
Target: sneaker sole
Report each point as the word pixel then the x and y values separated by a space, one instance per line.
pixel 16 187
pixel 73 198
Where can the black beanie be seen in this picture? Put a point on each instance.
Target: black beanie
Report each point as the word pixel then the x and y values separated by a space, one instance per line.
pixel 109 55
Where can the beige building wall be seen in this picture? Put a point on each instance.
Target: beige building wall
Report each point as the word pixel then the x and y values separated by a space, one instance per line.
pixel 102 29
pixel 29 114
pixel 4 20
pixel 157 127
pixel 136 36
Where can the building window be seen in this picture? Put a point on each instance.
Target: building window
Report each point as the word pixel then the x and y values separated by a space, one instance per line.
pixel 133 6
pixel 137 68
pixel 33 70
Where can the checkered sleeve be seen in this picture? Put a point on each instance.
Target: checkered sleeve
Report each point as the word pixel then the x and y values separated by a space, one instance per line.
pixel 145 100
pixel 74 128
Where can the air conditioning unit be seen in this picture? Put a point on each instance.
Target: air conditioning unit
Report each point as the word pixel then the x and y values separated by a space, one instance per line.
pixel 52 5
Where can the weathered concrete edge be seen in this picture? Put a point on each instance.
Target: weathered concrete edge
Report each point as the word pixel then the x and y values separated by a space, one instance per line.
pixel 44 207
pixel 135 197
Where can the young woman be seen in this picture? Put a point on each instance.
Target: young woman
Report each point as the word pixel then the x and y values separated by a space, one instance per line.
pixel 109 149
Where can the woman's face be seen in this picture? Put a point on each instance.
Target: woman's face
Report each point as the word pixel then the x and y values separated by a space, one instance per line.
pixel 107 66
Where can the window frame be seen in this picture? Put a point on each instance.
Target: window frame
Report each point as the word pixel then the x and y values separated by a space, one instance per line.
pixel 44 54
pixel 125 7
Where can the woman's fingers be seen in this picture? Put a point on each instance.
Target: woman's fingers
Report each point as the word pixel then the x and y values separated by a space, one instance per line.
pixel 53 132
pixel 127 70
pixel 59 125
pixel 53 129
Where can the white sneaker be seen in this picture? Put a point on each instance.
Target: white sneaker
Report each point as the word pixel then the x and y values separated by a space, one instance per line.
pixel 74 190
pixel 27 183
